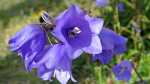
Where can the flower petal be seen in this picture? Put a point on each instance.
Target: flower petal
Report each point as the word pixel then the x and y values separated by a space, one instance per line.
pixel 95 46
pixel 62 76
pixel 49 56
pixel 72 7
pixel 105 57
pixel 29 60
pixel 64 62
pixel 96 24
pixel 44 73
pixel 28 34
pixel 111 40
pixel 53 57
pixel 77 53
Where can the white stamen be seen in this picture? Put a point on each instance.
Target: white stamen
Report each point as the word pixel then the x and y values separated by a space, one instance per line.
pixel 76 30
pixel 123 69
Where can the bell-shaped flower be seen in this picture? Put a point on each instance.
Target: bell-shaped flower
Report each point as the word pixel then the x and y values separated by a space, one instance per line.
pixel 78 31
pixel 28 42
pixel 123 70
pixel 112 44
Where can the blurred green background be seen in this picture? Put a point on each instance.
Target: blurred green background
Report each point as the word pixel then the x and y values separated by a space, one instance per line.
pixel 133 23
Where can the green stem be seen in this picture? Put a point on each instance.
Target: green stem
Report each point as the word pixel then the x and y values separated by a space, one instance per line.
pixel 138 75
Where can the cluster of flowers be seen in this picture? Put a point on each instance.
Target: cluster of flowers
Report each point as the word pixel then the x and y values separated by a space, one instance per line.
pixel 75 33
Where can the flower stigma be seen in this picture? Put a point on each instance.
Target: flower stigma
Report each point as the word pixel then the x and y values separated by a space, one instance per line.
pixel 74 32
pixel 123 69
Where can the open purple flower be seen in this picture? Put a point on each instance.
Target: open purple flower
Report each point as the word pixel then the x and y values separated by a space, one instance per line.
pixel 78 31
pixel 102 3
pixel 112 44
pixel 123 70
pixel 28 42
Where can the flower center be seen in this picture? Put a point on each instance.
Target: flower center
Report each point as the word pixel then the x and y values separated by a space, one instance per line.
pixel 123 69
pixel 74 32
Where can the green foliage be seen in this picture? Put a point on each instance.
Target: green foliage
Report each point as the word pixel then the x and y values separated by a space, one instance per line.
pixel 16 13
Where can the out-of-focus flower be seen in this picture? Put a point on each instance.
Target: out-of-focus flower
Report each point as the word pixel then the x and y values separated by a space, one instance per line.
pixel 123 70
pixel 28 42
pixel 121 7
pixel 78 31
pixel 102 3
pixel 112 44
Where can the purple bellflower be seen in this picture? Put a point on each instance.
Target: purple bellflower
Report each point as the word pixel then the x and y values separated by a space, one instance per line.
pixel 78 31
pixel 28 42
pixel 112 44
pixel 123 70
pixel 50 60
pixel 102 3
